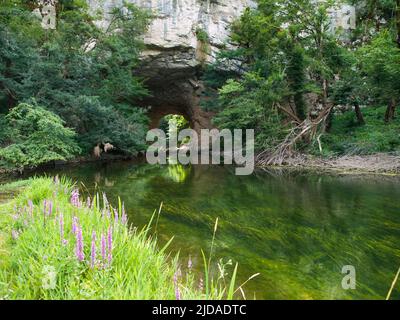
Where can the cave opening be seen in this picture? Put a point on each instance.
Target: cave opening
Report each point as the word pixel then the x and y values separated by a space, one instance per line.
pixel 174 92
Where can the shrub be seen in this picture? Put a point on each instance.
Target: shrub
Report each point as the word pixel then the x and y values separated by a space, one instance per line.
pixel 36 136
pixel 349 137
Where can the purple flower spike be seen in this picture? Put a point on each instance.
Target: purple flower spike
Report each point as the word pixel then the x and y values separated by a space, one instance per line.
pixel 75 223
pixel 44 206
pixel 109 245
pixel 103 248
pixel 124 218
pixel 93 250
pixel 177 292
pixel 116 216
pixel 79 245
pixel 62 227
pixel 14 234
pixel 50 208
pixel 30 204
pixel 75 198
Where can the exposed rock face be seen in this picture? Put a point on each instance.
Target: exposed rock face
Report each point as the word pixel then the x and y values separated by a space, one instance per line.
pixel 183 35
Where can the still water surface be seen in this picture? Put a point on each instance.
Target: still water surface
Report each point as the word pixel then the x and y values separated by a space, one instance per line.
pixel 296 229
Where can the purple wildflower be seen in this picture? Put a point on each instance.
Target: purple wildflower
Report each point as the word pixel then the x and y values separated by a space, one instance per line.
pixel 44 206
pixel 75 223
pixel 61 221
pixel 75 198
pixel 14 234
pixel 109 245
pixel 79 245
pixel 177 292
pixel 50 208
pixel 103 248
pixel 30 204
pixel 116 216
pixel 93 250
pixel 65 242
pixel 124 218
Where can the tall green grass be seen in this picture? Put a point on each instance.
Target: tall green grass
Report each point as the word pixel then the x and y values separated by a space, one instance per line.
pixel 40 258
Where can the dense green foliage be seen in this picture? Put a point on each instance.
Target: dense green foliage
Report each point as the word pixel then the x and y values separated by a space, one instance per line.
pixel 289 63
pixel 78 71
pixel 349 137
pixel 34 136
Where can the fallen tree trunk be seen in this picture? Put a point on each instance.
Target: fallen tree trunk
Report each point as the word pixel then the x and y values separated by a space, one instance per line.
pixel 306 129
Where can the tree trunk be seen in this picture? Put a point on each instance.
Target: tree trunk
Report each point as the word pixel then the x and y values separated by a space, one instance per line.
pixel 329 118
pixel 9 94
pixel 390 110
pixel 359 115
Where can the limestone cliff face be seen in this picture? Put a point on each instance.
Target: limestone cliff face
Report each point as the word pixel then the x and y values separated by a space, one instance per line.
pixel 183 35
pixel 177 24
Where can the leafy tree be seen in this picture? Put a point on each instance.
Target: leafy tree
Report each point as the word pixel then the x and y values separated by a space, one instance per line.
pixel 374 16
pixel 284 51
pixel 19 35
pixel 380 62
pixel 351 88
pixel 79 71
pixel 297 78
pixel 101 124
pixel 251 103
pixel 35 136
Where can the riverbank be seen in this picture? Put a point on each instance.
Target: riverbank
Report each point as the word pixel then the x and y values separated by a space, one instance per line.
pixel 73 161
pixel 380 163
pixel 54 245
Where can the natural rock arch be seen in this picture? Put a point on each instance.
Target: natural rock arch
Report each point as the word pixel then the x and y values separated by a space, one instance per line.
pixel 175 53
pixel 172 95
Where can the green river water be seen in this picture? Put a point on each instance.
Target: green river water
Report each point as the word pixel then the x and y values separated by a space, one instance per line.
pixel 297 229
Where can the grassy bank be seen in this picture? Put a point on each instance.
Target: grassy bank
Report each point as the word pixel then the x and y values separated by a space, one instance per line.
pixel 54 245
